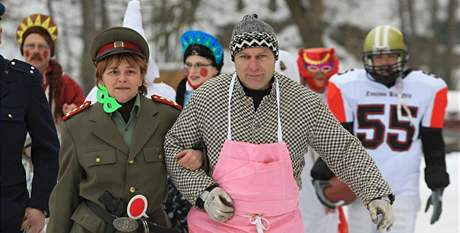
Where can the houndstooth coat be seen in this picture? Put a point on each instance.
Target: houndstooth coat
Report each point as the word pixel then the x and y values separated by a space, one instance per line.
pixel 305 121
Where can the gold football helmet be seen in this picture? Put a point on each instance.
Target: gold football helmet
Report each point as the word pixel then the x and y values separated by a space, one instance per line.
pixel 381 41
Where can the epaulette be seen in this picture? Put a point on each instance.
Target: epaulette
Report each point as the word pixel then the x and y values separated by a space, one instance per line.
pixel 163 100
pixel 77 110
pixel 24 68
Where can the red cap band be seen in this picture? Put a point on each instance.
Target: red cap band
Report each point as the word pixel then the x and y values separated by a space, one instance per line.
pixel 118 44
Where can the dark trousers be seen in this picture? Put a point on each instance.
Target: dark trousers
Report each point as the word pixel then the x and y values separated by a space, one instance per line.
pixel 13 205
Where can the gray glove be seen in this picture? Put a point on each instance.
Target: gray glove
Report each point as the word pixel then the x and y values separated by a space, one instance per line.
pixel 435 200
pixel 218 204
pixel 381 213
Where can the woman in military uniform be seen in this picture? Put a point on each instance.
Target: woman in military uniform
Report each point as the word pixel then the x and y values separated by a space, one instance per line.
pixel 113 150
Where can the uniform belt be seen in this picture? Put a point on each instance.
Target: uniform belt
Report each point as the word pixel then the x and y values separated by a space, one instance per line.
pixel 103 214
pixel 149 227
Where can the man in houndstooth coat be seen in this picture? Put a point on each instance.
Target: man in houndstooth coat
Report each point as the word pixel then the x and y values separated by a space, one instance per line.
pixel 251 122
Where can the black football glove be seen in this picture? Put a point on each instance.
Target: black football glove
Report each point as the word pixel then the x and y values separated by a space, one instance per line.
pixel 435 200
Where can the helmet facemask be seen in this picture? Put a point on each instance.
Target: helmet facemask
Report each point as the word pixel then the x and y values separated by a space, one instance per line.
pixel 385 73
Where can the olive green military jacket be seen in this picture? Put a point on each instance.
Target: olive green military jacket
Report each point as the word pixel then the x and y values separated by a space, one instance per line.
pixel 94 159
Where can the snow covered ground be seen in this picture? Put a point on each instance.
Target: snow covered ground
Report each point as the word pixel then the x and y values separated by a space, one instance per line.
pixel 450 218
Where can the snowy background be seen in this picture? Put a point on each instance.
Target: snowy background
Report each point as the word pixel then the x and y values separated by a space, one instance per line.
pixel 215 17
pixel 211 16
pixel 450 220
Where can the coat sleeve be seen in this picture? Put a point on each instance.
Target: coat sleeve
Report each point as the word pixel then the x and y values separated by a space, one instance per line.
pixel 344 155
pixel 186 134
pixel 73 93
pixel 64 198
pixel 45 146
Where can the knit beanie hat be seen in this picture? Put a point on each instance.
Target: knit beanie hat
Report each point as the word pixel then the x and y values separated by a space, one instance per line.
pixel 252 32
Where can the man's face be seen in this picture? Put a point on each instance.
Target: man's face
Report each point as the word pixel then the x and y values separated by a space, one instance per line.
pixel 255 67
pixel 385 63
pixel 36 51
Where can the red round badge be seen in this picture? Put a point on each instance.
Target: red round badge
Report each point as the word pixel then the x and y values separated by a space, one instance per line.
pixel 137 207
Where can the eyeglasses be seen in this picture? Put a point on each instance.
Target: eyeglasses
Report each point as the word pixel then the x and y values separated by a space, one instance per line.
pixel 33 46
pixel 197 65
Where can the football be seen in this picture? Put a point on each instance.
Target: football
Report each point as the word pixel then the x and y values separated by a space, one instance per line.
pixel 339 191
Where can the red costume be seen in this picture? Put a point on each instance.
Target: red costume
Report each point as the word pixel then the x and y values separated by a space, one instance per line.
pixel 59 88
pixel 311 61
pixel 57 84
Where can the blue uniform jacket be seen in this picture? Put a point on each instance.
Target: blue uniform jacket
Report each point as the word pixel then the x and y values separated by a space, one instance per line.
pixel 24 108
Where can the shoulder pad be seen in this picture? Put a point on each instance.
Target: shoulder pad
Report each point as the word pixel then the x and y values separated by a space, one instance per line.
pixel 77 110
pixel 430 74
pixel 163 100
pixel 346 71
pixel 24 68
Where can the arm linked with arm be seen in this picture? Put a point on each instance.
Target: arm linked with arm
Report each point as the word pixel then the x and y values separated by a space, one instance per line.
pixel 186 134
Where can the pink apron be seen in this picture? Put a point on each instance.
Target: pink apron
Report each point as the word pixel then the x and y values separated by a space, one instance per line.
pixel 259 178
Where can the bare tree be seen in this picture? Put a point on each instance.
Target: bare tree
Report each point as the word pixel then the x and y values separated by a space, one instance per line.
pixel 272 5
pixel 88 33
pixel 167 23
pixel 103 13
pixel 65 41
pixel 239 5
pixel 49 5
pixel 433 6
pixel 452 12
pixel 409 29
pixel 407 17
pixel 308 20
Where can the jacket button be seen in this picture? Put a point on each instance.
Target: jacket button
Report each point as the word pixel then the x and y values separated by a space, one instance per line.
pixel 160 156
pixel 10 116
pixel 130 161
pixel 98 160
pixel 132 189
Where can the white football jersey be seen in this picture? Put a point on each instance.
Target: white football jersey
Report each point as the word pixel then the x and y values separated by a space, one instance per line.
pixel 382 123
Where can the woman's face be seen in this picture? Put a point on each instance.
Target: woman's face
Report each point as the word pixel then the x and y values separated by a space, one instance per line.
pixel 198 70
pixel 122 81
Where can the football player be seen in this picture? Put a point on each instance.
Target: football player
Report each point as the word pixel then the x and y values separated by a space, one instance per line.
pixel 398 115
